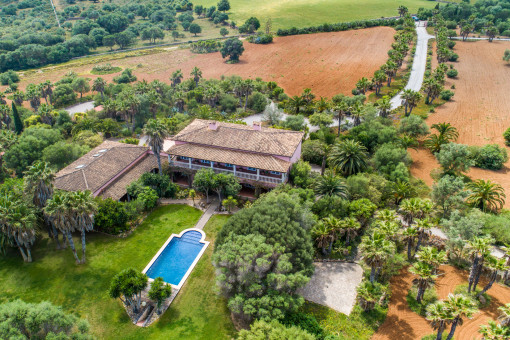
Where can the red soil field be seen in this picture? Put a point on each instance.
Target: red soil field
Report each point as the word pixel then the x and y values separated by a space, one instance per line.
pixel 328 63
pixel 479 109
pixel 403 323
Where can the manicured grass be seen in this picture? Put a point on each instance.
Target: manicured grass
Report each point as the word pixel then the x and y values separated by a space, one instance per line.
pixel 301 13
pixel 82 289
pixel 359 325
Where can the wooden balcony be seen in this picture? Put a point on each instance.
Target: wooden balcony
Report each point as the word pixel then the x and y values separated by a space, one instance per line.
pixel 242 173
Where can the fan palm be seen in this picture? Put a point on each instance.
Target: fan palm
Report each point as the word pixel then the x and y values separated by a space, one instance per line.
pixel 342 108
pixel 176 77
pixel 197 74
pixel 401 190
pixel 99 85
pixel 369 294
pixel 494 331
pixel 486 195
pixel 321 234
pixel 375 250
pixel 363 84
pixel 410 234
pixel 84 208
pixel 478 249
pixel 351 227
pixel 461 307
pixel 432 256
pixel 408 142
pixel 495 266
pixel 423 226
pixel 294 104
pixel 504 317
pixel 378 80
pixel 425 279
pixel 59 210
pixel 157 132
pixel 410 99
pixel 439 316
pixel 386 215
pixel 38 181
pixel 330 185
pixel 335 228
pixel 349 157
pixel 384 106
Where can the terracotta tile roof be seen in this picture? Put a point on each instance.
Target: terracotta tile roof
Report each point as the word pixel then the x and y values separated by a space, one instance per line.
pixel 98 166
pixel 242 137
pixel 117 189
pixel 241 158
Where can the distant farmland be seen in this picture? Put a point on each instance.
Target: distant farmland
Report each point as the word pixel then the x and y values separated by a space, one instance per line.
pixel 300 13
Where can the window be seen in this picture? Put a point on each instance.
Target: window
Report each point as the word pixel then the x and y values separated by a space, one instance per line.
pixel 184 158
pixel 274 172
pixel 252 169
pixel 228 165
pixel 204 161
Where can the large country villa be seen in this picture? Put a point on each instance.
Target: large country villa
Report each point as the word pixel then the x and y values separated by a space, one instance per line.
pixel 260 157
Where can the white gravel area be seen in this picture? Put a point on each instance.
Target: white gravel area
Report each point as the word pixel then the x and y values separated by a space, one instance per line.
pixel 334 285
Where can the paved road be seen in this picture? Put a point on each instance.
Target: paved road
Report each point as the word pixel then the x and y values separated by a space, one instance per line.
pixel 419 65
pixel 474 38
pixel 82 107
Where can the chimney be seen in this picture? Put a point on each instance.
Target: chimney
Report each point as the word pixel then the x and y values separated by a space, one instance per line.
pixel 213 125
pixel 257 126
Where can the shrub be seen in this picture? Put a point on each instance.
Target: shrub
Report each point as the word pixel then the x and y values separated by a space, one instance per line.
pixel 9 77
pixel 161 184
pixel 452 73
pixel 498 227
pixel 105 69
pixel 261 38
pixel 451 44
pixel 313 151
pixel 454 57
pixel 111 217
pixel 490 156
pixel 257 102
pixel 125 77
pixel 506 135
pixel 148 198
pixel 205 46
pixel 446 95
pixel 130 140
pixel 306 322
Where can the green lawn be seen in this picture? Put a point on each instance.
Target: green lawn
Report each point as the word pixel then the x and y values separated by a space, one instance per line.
pixel 301 13
pixel 196 313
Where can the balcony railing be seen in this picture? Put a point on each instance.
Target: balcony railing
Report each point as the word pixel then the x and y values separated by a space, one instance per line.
pixel 238 173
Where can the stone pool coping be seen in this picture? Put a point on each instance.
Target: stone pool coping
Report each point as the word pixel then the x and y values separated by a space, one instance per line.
pixel 190 269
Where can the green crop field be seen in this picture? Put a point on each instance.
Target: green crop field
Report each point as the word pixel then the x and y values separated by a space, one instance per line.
pixel 301 13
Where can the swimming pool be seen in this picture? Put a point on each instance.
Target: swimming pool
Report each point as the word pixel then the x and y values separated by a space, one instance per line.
pixel 177 257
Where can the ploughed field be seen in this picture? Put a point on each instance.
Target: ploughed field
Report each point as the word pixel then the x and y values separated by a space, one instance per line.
pixel 328 63
pixel 479 110
pixel 402 323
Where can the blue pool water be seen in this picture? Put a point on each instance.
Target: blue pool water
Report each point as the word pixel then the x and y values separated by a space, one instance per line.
pixel 175 260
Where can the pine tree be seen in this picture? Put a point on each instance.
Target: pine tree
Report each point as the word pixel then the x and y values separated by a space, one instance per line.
pixel 18 125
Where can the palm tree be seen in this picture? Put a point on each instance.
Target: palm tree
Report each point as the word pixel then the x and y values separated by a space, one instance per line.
pixel 446 131
pixel 495 266
pixel 384 106
pixel 330 185
pixel 486 195
pixel 478 249
pixel 375 250
pixel 432 88
pixel 460 306
pixel 410 234
pixel 387 215
pixel 350 226
pixel 410 209
pixel 294 104
pixel 335 228
pixel 423 226
pixel 18 97
pixel 349 157
pixel 369 294
pixel 321 233
pixel 390 69
pixel 494 331
pixel 99 85
pixel 425 279
pixel 84 208
pixel 504 317
pixel 308 96
pixel 433 257
pixel 176 77
pixel 322 105
pixel 157 131
pixel 248 86
pixel 38 181
pixel 342 108
pixel 18 222
pixel 401 190
pixel 363 85
pixel 197 74
pixel 47 91
pixel 378 80
pixel 408 142
pixel 60 210
pixel 439 316
pixel 410 99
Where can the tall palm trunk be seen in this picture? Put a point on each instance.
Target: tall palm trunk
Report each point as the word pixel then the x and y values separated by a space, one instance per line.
pixel 494 276
pixel 472 274
pixel 452 330
pixel 440 330
pixel 372 274
pixel 29 253
pixel 409 249
pixel 83 245
pixel 20 247
pixel 478 273
pixel 71 244
pixel 158 158
pixel 55 235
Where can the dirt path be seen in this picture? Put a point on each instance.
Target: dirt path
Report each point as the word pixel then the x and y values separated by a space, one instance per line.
pixel 403 323
pixel 328 63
